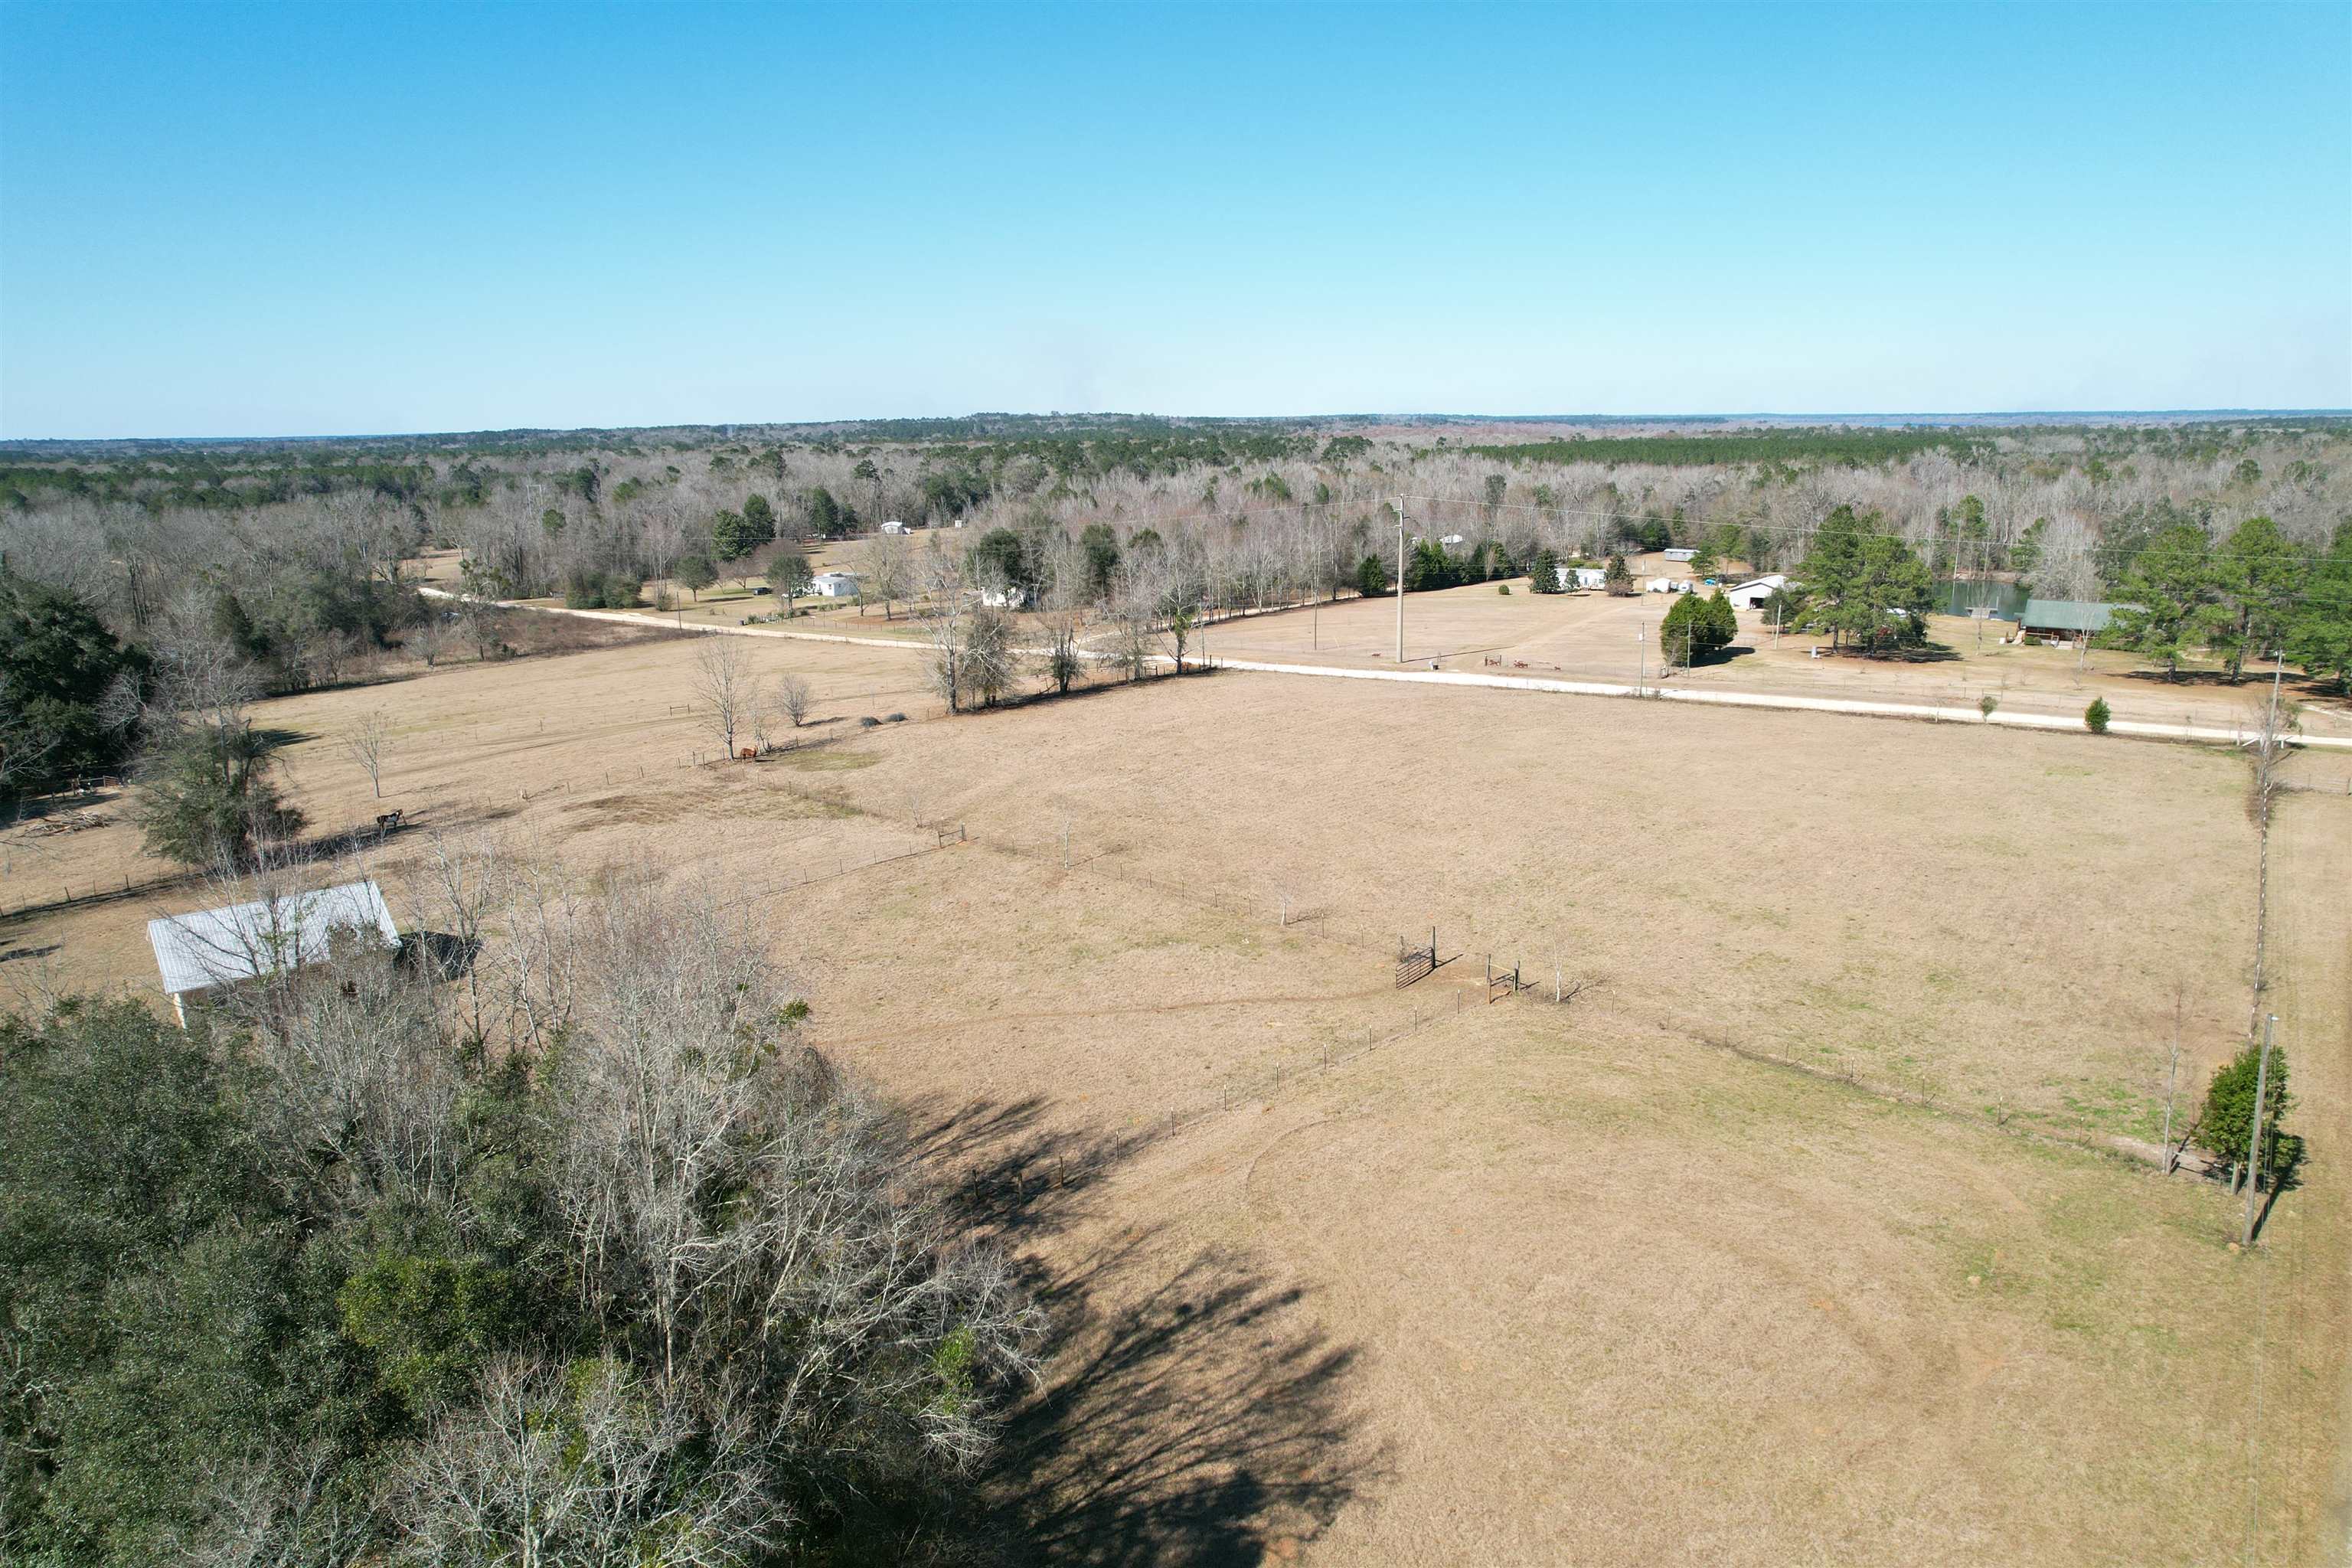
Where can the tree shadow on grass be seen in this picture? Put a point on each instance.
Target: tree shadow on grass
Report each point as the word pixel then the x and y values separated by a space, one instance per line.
pixel 1202 1423
pixel 1192 1411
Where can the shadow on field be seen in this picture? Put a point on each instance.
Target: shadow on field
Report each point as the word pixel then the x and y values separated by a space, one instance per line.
pixel 1192 1411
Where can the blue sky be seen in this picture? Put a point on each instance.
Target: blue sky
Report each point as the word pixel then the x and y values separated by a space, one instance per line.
pixel 332 218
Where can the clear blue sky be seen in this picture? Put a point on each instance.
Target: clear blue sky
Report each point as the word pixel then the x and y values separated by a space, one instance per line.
pixel 329 218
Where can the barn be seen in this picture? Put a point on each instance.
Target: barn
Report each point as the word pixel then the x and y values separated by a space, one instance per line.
pixel 210 948
pixel 1751 594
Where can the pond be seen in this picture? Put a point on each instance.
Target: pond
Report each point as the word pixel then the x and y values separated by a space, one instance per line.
pixel 1960 596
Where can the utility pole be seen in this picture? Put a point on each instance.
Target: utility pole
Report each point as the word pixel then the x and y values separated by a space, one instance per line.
pixel 1400 510
pixel 1640 658
pixel 2172 1077
pixel 2254 1148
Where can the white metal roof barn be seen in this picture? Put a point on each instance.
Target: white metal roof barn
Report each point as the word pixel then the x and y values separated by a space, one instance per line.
pixel 210 948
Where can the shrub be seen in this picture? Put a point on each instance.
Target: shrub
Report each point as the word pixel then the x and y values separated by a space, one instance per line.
pixel 2225 1128
pixel 1987 704
pixel 1503 589
pixel 2094 717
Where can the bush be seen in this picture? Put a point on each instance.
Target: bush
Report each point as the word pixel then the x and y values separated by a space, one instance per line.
pixel 2094 717
pixel 1372 577
pixel 587 590
pixel 2225 1128
pixel 1503 589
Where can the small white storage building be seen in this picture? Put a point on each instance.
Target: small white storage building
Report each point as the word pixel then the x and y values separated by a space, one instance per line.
pixel 895 526
pixel 1681 554
pixel 212 948
pixel 1667 585
pixel 1750 595
pixel 834 585
pixel 1582 576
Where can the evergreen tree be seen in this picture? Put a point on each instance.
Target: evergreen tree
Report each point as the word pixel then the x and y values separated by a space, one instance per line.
pixel 2226 1127
pixel 2320 638
pixel 1866 585
pixel 2170 586
pixel 206 797
pixel 759 522
pixel 2257 574
pixel 731 536
pixel 824 513
pixel 57 664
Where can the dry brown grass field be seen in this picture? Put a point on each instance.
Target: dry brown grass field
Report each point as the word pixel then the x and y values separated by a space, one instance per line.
pixel 1520 1282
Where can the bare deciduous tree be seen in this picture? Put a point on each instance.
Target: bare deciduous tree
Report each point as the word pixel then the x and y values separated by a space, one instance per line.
pixel 886 569
pixel 562 1465
pixel 364 742
pixel 428 640
pixel 794 698
pixel 949 594
pixel 727 686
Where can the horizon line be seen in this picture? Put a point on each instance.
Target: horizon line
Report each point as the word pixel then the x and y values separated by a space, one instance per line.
pixel 2018 415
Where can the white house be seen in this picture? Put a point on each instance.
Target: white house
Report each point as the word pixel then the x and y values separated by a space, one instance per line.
pixel 834 585
pixel 1582 576
pixel 1679 554
pixel 212 948
pixel 1750 595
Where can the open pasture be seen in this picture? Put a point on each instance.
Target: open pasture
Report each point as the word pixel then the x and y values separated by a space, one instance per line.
pixel 1527 1282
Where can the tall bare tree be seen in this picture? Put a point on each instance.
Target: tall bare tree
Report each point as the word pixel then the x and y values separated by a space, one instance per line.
pixel 727 686
pixel 364 741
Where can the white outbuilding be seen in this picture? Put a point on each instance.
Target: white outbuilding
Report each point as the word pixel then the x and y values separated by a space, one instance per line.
pixel 1681 554
pixel 1582 576
pixel 834 585
pixel 1750 595
pixel 895 526
pixel 209 949
pixel 1667 585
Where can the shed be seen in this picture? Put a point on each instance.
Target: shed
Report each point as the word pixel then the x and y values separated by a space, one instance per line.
pixel 895 526
pixel 834 585
pixel 2066 620
pixel 1667 585
pixel 212 948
